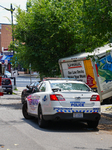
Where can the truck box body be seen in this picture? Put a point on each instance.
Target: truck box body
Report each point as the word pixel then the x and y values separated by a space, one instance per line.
pixel 96 74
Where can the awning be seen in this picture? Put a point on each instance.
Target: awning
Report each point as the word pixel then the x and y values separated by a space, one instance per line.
pixel 6 57
pixel 3 58
pixel 9 57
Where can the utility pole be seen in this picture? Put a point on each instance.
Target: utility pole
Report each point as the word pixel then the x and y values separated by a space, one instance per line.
pixel 11 10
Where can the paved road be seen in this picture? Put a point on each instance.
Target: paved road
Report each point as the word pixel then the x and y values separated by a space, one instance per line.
pixel 18 133
pixel 22 81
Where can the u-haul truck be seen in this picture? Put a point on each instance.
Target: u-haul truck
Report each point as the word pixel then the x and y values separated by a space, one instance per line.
pixel 97 74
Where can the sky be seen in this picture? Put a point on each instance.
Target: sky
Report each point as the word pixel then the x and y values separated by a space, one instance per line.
pixel 4 14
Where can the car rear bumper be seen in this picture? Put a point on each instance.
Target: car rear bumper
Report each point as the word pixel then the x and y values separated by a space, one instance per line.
pixel 7 89
pixel 69 116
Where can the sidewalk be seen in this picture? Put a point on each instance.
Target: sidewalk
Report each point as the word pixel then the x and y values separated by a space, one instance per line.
pixel 19 90
pixel 107 110
pixel 27 75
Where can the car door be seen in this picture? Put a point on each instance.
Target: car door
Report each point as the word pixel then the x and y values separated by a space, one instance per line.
pixel 44 101
pixel 36 98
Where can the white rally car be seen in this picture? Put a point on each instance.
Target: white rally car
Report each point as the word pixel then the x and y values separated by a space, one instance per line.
pixel 63 100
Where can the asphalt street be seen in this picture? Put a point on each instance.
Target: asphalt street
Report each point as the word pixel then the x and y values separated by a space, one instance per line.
pixel 19 133
pixel 22 81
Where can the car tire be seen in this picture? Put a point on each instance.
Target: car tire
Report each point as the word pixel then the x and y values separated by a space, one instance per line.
pixel 24 111
pixel 23 98
pixel 41 121
pixel 93 124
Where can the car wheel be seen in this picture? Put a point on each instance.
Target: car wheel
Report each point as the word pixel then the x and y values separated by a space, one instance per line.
pixel 41 121
pixel 93 124
pixel 23 98
pixel 24 111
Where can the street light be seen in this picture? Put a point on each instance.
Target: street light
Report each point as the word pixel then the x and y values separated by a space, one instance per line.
pixel 11 10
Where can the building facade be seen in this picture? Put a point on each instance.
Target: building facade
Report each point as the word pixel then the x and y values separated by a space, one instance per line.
pixel 5 55
pixel 5 39
pixel 5 36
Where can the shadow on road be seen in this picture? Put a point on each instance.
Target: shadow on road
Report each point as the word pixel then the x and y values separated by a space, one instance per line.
pixel 12 106
pixel 61 126
pixel 105 124
pixel 14 102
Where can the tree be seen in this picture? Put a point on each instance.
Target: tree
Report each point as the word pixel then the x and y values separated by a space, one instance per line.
pixel 47 32
pixel 53 29
pixel 97 21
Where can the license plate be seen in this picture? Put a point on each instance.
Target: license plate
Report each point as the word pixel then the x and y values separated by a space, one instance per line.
pixel 77 115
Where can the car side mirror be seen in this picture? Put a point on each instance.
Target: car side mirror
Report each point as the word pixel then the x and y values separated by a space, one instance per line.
pixel 27 86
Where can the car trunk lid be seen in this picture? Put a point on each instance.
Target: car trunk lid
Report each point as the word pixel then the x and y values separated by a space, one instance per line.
pixel 77 99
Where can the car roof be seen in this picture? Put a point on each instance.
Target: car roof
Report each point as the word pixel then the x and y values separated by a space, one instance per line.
pixel 64 81
pixel 5 78
pixel 7 71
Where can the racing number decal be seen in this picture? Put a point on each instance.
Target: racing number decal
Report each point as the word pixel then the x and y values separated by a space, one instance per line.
pixel 33 102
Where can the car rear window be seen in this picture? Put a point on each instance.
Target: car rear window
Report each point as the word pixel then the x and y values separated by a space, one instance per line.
pixel 70 86
pixel 6 82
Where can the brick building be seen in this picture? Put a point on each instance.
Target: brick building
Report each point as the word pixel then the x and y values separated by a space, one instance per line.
pixel 5 36
pixel 5 39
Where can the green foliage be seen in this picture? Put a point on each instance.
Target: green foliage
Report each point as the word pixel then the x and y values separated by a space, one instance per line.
pixel 45 33
pixel 53 29
pixel 97 20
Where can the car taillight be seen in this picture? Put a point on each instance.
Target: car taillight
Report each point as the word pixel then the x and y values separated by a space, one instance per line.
pixel 57 97
pixel 95 98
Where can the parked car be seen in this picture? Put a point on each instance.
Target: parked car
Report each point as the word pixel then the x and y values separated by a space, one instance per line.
pixel 7 85
pixel 29 90
pixel 7 74
pixel 63 100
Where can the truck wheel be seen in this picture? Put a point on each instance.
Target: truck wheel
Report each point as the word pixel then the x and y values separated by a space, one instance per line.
pixel 93 124
pixel 24 111
pixel 41 121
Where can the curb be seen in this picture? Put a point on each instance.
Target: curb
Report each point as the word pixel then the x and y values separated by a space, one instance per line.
pixel 28 75
pixel 105 108
pixel 17 92
pixel 107 114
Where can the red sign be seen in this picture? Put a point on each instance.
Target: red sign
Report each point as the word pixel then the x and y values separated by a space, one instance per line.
pixel 5 49
pixel 90 81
